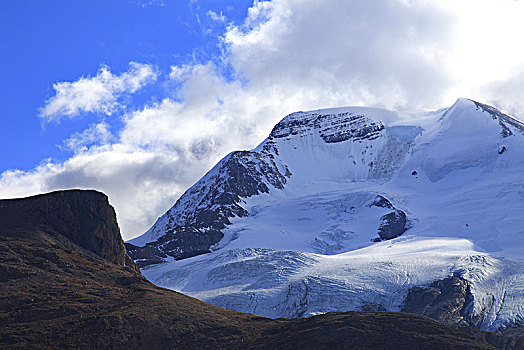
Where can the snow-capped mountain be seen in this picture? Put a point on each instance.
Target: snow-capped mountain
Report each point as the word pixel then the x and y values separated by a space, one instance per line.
pixel 355 208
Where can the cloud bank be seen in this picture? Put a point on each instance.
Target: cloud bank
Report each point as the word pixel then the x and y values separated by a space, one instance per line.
pixel 97 94
pixel 288 55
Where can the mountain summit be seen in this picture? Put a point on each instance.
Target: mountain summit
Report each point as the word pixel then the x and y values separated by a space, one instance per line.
pixel 352 208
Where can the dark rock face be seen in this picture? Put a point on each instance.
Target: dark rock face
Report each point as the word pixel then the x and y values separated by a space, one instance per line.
pixel 393 224
pixel 144 256
pixel 331 127
pixel 513 331
pixel 382 202
pixel 448 300
pixel 197 219
pixel 373 307
pixel 360 330
pixel 504 119
pixel 84 217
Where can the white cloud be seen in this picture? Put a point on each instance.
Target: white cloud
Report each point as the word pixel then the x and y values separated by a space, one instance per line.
pixel 288 55
pixel 375 52
pixel 507 92
pixel 97 94
pixel 161 151
pixel 148 3
pixel 96 134
pixel 217 17
pixel 485 42
pixel 179 73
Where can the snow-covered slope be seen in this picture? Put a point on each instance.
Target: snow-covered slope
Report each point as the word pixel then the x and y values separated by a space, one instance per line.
pixel 344 208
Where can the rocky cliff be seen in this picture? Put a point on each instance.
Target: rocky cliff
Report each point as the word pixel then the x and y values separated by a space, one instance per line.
pixel 83 217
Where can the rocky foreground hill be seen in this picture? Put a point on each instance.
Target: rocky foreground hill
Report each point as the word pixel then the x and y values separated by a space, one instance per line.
pixel 65 282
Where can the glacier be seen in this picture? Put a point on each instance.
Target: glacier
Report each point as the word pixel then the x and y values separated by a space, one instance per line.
pixel 293 227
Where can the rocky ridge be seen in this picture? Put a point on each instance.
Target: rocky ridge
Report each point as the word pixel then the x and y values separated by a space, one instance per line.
pixel 195 223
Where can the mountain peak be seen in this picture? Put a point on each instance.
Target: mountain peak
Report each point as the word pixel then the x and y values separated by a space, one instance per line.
pixel 344 208
pixel 467 115
pixel 326 149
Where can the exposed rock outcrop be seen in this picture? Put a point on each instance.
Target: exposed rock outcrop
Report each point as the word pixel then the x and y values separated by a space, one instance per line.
pixel 84 217
pixel 331 127
pixel 448 300
pixel 504 119
pixel 393 224
pixel 196 221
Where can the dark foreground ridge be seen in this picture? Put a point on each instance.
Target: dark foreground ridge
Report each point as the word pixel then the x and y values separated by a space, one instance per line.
pixel 65 282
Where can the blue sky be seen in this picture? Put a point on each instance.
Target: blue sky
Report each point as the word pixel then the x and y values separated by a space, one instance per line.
pixel 43 42
pixel 140 98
